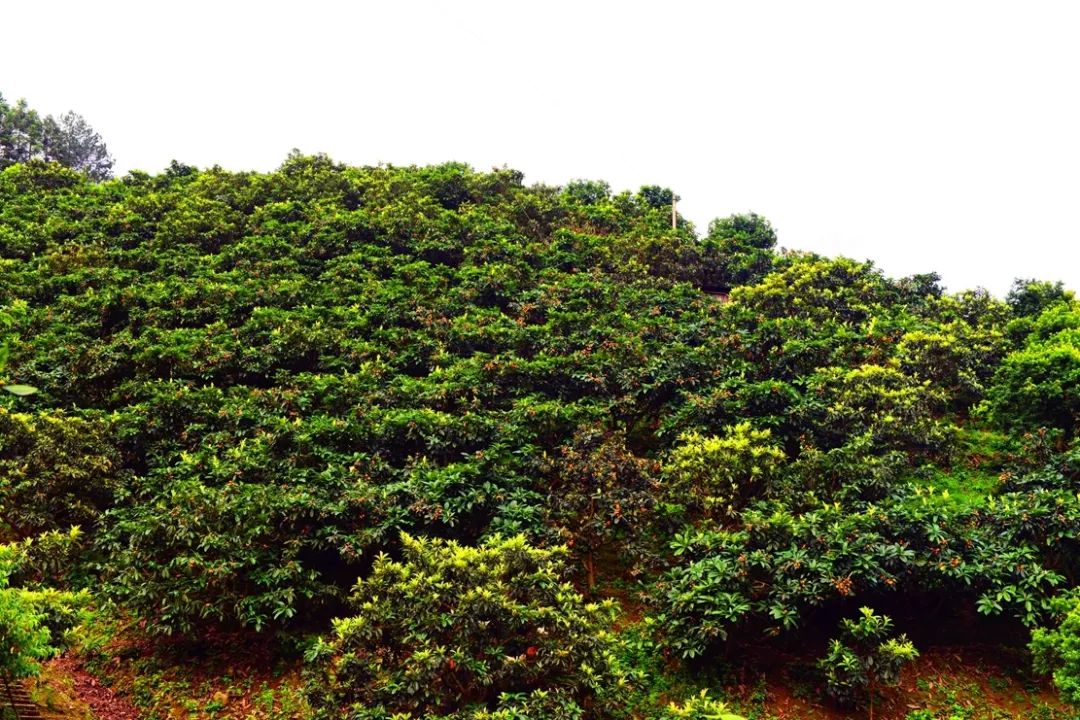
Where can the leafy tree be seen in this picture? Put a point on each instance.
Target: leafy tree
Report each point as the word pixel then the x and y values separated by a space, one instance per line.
pixel 587 192
pixel 1039 385
pixel 1030 297
pixel 657 197
pixel 68 140
pixel 955 357
pixel 742 246
pixel 818 289
pixel 603 497
pixel 921 289
pixel 881 403
pixel 450 631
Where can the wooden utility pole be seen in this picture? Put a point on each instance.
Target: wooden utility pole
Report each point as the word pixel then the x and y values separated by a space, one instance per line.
pixel 674 215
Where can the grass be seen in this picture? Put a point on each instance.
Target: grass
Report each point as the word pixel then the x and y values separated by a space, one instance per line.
pixel 975 473
pixel 960 488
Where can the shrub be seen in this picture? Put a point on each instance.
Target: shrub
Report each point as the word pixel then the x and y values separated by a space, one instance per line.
pixel 33 622
pixel 453 631
pixel 23 637
pixel 1056 650
pixel 1007 556
pixel 698 707
pixel 715 477
pixel 865 659
pixel 242 555
pixel 1039 385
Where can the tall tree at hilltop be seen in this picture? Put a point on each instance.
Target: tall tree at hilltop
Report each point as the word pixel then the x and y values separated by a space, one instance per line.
pixel 744 245
pixel 68 140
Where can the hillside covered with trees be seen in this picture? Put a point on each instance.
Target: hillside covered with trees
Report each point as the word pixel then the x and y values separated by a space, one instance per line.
pixel 433 443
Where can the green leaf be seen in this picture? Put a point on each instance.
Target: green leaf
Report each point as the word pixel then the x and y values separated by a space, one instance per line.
pixel 20 390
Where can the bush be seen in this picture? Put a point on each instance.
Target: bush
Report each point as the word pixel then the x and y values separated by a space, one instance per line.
pixel 699 707
pixel 1007 556
pixel 33 622
pixel 242 555
pixel 1039 385
pixel 866 659
pixel 453 631
pixel 23 637
pixel 715 477
pixel 1056 650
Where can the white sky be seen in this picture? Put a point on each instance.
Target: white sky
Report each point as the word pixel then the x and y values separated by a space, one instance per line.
pixel 927 136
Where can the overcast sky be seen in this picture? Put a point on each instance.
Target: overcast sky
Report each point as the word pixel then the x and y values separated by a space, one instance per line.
pixel 926 136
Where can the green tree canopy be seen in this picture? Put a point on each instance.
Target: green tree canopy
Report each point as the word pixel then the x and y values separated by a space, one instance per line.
pixel 1029 297
pixel 68 140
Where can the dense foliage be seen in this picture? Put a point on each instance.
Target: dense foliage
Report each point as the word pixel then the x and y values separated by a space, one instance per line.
pixel 1057 649
pixel 1038 385
pixel 23 636
pixel 452 631
pixel 34 618
pixel 270 376
pixel 253 386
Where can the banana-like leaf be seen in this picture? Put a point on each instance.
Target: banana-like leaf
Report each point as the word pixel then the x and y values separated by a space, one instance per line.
pixel 20 389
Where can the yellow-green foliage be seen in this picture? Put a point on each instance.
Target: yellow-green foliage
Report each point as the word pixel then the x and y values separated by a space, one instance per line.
pixel 957 356
pixel 881 403
pixel 32 621
pixel 716 476
pixel 452 631
pixel 698 707
pixel 1039 385
pixel 23 638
